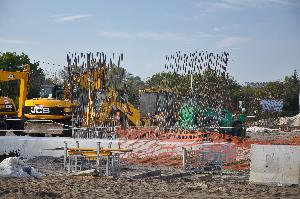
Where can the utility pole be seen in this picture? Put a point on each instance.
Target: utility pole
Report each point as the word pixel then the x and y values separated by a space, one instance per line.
pixel 191 82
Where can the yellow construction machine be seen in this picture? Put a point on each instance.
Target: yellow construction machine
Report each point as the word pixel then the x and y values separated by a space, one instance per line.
pixel 101 104
pixel 111 102
pixel 114 103
pixel 10 117
pixel 50 114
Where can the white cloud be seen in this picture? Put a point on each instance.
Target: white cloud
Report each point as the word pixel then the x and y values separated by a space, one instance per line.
pixel 284 2
pixel 223 6
pixel 152 35
pixel 67 17
pixel 232 41
pixel 14 41
pixel 216 5
pixel 59 15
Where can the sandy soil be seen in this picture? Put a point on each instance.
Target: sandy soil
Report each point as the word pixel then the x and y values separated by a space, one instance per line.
pixel 170 184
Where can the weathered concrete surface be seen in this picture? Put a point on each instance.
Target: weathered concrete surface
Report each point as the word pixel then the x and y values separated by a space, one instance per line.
pixel 275 164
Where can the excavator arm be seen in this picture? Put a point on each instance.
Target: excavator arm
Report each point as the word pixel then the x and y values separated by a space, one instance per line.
pixel 23 76
pixel 128 109
pixel 95 80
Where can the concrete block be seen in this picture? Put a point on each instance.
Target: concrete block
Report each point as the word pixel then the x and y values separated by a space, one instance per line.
pixel 275 164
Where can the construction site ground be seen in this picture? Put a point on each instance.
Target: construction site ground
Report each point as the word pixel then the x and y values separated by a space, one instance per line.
pixel 150 182
pixel 131 184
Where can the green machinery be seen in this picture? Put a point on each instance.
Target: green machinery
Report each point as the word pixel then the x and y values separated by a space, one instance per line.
pixel 192 117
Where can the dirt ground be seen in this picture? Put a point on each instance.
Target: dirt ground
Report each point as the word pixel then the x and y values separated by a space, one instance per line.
pixel 169 184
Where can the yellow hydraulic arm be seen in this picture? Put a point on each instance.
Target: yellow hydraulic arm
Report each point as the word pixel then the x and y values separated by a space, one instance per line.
pixel 94 79
pixel 132 113
pixel 23 76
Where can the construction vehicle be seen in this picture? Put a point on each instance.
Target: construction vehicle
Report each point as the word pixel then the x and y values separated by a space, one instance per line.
pixel 159 107
pixel 193 117
pixel 50 114
pixel 11 118
pixel 100 104
pixel 114 103
pixel 8 116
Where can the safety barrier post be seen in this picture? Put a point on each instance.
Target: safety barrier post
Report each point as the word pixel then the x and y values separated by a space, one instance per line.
pixel 98 154
pixel 65 154
pixel 184 157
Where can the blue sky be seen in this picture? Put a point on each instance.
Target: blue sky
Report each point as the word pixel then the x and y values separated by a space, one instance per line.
pixel 262 36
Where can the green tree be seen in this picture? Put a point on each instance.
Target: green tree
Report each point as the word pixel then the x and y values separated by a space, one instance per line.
pixel 291 94
pixel 273 90
pixel 133 85
pixel 167 81
pixel 212 89
pixel 12 61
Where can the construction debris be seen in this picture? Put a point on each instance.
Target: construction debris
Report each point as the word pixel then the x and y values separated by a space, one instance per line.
pixel 91 172
pixel 16 167
pixel 259 129
pixel 290 122
pixel 283 123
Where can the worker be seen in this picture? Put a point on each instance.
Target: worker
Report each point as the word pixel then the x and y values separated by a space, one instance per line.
pixel 117 118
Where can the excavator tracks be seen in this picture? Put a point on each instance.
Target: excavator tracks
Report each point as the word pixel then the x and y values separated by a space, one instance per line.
pixel 41 128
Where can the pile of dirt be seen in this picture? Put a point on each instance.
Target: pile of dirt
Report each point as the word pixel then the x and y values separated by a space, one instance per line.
pixel 259 129
pixel 267 123
pixel 290 121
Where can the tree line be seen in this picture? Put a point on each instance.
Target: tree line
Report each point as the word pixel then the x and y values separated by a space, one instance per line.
pixel 286 89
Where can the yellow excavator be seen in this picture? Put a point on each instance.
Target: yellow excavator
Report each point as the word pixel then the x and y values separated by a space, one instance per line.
pixel 8 114
pixel 112 102
pixel 50 114
pixel 115 102
pixel 11 118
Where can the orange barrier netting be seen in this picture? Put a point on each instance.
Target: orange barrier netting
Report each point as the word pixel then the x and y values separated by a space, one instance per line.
pixel 163 148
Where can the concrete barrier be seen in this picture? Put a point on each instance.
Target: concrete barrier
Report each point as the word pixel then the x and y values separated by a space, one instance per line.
pixel 28 147
pixel 275 164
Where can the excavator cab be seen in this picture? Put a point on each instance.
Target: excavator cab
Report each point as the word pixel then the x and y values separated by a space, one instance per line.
pixel 52 92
